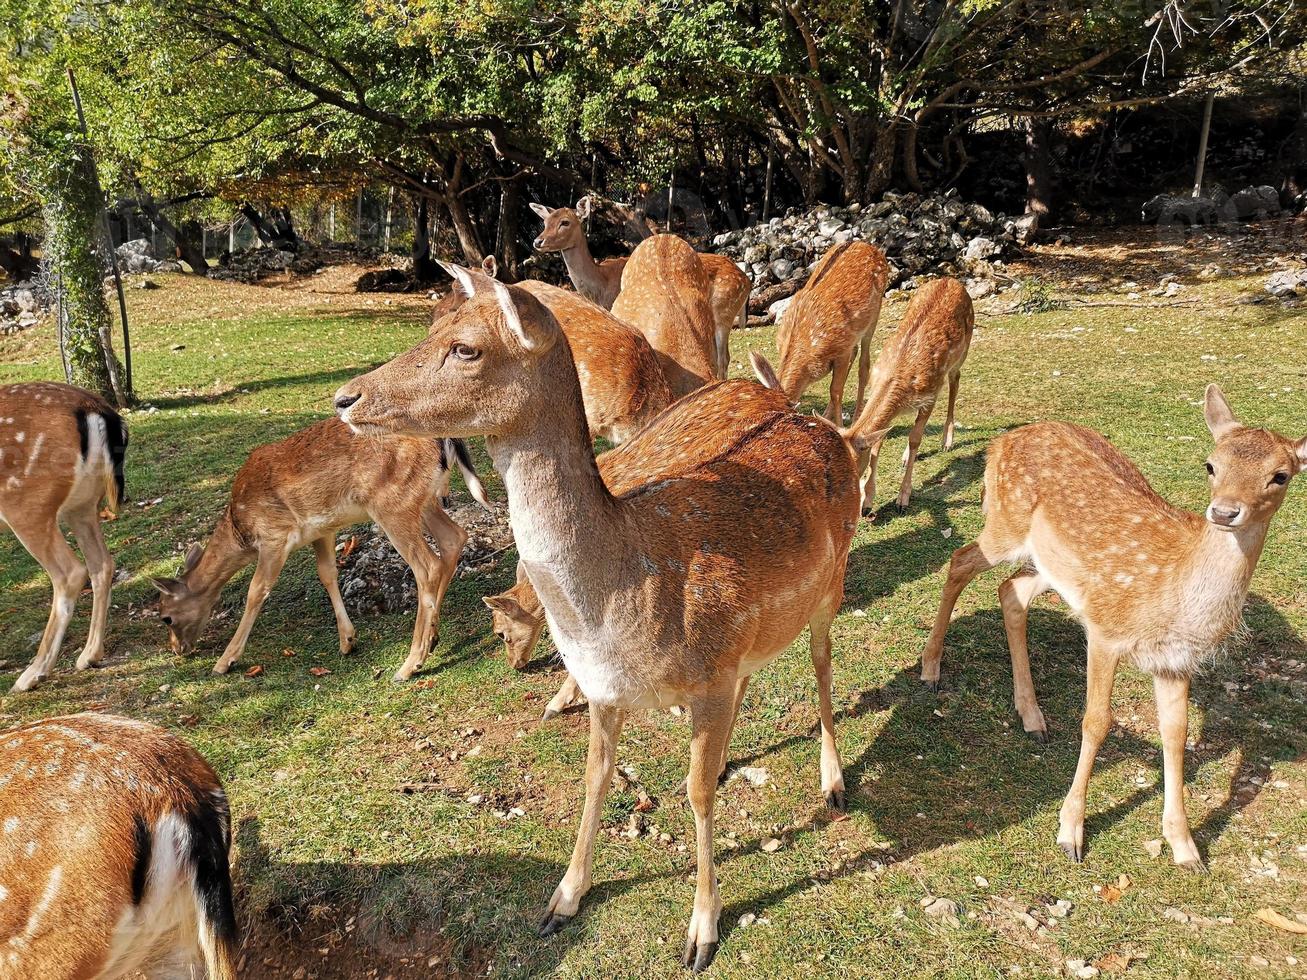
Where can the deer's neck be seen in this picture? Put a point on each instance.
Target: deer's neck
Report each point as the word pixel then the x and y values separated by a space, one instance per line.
pixel 223 557
pixel 583 270
pixel 569 530
pixel 1214 584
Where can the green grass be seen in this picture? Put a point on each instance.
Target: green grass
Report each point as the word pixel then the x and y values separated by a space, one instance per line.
pixel 944 788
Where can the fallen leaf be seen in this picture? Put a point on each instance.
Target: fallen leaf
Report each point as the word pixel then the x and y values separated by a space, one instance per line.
pixel 1274 918
pixel 190 721
pixel 1110 894
pixel 319 671
pixel 255 671
pixel 1114 962
pixel 771 844
pixel 422 685
pixel 837 816
pixel 287 652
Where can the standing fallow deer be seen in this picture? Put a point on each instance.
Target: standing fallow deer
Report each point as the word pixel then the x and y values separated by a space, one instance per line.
pixel 114 837
pixel 927 349
pixel 61 454
pixel 600 282
pixel 622 381
pixel 304 489
pixel 829 320
pixel 665 296
pixel 673 593
pixel 1152 584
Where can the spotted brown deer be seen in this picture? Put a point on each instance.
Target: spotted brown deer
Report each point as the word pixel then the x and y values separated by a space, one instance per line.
pixel 926 350
pixel 600 282
pixel 1151 583
pixel 622 381
pixel 665 296
pixel 828 321
pixel 114 838
pixel 304 489
pixel 663 595
pixel 61 454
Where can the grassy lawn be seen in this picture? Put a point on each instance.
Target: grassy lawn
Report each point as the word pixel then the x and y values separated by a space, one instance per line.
pixel 342 873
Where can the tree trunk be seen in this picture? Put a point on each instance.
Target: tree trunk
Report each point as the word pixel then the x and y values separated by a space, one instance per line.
pixel 76 250
pixel 911 176
pixel 510 206
pixel 424 269
pixel 278 232
pixel 1039 175
pixel 880 167
pixel 464 228
pixel 189 250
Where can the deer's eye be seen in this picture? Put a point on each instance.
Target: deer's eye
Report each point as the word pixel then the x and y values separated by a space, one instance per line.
pixel 1210 471
pixel 1280 479
pixel 464 353
pixel 563 224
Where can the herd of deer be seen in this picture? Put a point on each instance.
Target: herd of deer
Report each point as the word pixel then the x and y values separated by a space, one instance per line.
pixel 668 569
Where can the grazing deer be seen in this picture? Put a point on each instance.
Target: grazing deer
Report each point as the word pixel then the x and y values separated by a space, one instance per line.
pixel 929 347
pixel 114 837
pixel 622 382
pixel 665 296
pixel 600 282
pixel 304 489
pixel 673 593
pixel 1151 583
pixel 823 326
pixel 61 454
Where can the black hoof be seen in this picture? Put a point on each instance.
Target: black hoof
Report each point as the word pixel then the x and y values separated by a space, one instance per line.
pixel 1039 735
pixel 1195 866
pixel 836 801
pixel 698 958
pixel 552 923
pixel 550 714
pixel 1073 852
pixel 932 686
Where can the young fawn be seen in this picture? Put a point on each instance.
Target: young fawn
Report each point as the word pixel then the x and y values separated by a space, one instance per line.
pixel 664 595
pixel 665 296
pixel 1151 583
pixel 61 454
pixel 304 489
pixel 622 382
pixel 600 282
pixel 517 615
pixel 826 322
pixel 114 856
pixel 929 346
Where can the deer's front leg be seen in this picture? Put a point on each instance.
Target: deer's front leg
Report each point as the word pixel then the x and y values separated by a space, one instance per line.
pixel 1093 729
pixel 265 576
pixel 712 716
pixel 605 725
pixel 1173 721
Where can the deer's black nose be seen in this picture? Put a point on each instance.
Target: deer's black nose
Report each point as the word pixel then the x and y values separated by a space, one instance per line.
pixel 538 242
pixel 345 401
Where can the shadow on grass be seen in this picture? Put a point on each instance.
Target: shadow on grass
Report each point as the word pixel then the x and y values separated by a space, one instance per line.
pixel 338 377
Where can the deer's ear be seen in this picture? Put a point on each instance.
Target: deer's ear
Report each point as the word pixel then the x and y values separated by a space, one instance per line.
pixel 490 266
pixel 166 586
pixel 535 330
pixel 193 555
pixel 502 604
pixel 1220 418
pixel 1300 447
pixel 462 277
pixel 583 207
pixel 540 210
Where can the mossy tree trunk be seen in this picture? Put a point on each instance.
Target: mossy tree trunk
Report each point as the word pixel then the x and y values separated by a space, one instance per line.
pixel 75 247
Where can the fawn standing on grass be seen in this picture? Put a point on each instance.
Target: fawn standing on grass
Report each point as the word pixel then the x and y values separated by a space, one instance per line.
pixel 928 348
pixel 673 593
pixel 304 489
pixel 826 323
pixel 114 837
pixel 1152 584
pixel 61 454
pixel 600 282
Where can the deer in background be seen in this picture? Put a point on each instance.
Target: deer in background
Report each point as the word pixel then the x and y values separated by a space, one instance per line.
pixel 114 860
pixel 1152 584
pixel 304 489
pixel 828 320
pixel 929 347
pixel 665 296
pixel 663 595
pixel 622 381
pixel 600 282
pixel 61 453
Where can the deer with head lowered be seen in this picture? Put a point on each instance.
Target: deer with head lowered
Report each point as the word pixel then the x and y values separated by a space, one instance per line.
pixel 622 381
pixel 928 348
pixel 114 855
pixel 665 296
pixel 304 489
pixel 662 595
pixel 1151 583
pixel 600 282
pixel 828 321
pixel 61 454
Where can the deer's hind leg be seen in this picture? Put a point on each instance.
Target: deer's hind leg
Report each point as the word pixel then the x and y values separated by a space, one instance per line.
pixel 67 576
pixel 910 454
pixel 864 372
pixel 1015 595
pixel 954 380
pixel 85 522
pixel 839 374
pixel 832 772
